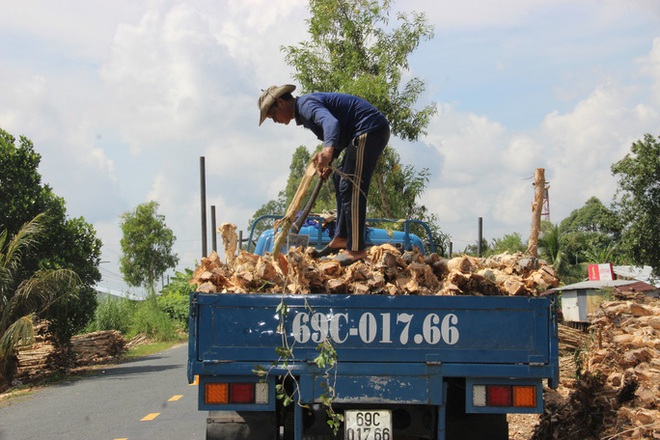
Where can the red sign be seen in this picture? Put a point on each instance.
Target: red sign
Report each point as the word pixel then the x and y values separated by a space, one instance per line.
pixel 602 272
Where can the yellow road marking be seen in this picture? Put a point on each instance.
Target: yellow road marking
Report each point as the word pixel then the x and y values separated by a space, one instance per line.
pixel 196 381
pixel 149 417
pixel 175 398
pixel 121 438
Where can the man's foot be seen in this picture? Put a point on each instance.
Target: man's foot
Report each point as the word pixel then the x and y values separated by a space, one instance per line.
pixel 335 245
pixel 328 250
pixel 347 258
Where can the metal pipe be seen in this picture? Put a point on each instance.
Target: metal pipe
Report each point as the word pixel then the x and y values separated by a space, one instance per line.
pixel 214 231
pixel 202 179
pixel 481 236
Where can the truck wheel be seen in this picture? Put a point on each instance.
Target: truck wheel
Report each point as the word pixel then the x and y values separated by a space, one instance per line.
pixel 244 425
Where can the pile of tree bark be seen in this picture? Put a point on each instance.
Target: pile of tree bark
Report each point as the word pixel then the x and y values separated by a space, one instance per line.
pixel 617 393
pixel 97 347
pixel 36 361
pixel 43 358
pixel 386 271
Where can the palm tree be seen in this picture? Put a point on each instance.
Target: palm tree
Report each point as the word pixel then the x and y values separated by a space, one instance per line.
pixel 23 297
pixel 551 247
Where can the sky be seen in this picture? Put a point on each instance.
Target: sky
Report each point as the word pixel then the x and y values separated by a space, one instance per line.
pixel 123 98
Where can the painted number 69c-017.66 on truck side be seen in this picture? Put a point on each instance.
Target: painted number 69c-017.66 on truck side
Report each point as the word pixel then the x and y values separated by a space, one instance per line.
pixel 380 328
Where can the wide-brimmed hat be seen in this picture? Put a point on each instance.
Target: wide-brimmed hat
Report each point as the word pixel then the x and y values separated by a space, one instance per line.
pixel 269 96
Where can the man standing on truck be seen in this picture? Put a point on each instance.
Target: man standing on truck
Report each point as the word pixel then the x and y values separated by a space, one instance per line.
pixel 344 123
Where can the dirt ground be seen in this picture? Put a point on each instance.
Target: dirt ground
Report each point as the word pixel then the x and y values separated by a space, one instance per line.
pixel 521 426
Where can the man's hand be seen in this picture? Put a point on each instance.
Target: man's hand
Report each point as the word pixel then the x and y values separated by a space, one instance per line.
pixel 322 161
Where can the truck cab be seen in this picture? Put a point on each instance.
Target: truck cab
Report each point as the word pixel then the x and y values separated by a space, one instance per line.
pixel 316 233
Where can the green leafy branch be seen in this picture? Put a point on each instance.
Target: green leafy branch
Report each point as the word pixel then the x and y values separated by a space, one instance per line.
pixel 326 360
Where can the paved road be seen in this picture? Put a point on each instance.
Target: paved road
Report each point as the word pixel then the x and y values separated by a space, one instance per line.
pixel 146 399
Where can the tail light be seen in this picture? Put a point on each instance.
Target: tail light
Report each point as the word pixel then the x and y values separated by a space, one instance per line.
pixel 222 393
pixel 516 396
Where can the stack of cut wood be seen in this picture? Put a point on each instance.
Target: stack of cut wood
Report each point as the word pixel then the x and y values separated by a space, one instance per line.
pixel 42 358
pixel 571 339
pixel 386 271
pixel 618 393
pixel 35 361
pixel 97 347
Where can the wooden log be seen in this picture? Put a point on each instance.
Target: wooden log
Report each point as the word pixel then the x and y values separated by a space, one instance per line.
pixel 284 224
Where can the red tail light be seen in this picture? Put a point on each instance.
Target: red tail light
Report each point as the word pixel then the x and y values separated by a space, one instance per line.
pixel 241 393
pixel 499 395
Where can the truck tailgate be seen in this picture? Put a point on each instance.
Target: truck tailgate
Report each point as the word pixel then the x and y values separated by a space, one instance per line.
pixel 373 328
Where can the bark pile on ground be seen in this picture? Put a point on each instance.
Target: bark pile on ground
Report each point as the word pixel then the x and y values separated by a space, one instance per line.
pixel 385 271
pixel 97 347
pixel 42 358
pixel 617 393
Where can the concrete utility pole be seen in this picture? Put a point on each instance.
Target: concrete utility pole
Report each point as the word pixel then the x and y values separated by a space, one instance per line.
pixel 537 209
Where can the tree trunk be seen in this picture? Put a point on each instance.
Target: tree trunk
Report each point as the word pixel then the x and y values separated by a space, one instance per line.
pixel 537 208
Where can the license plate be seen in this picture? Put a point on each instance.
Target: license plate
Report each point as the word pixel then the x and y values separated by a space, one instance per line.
pixel 368 425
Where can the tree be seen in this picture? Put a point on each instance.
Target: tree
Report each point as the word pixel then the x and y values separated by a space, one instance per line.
pixel 23 299
pixel 551 249
pixel 638 201
pixel 589 230
pixel 65 243
pixel 146 246
pixel 511 243
pixel 175 298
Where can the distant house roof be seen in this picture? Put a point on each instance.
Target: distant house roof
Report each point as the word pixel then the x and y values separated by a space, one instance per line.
pixel 644 274
pixel 621 285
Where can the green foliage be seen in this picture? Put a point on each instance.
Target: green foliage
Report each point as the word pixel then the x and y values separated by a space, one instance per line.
pixel 132 318
pixel 175 298
pixel 176 306
pixel 589 230
pixel 146 246
pixel 638 201
pixel 395 188
pixel 113 313
pixel 510 243
pixel 63 243
pixel 473 249
pixel 551 249
pixel 150 320
pixel 22 299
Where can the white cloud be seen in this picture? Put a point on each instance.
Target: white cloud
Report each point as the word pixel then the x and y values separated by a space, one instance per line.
pixel 588 140
pixel 121 101
pixel 650 65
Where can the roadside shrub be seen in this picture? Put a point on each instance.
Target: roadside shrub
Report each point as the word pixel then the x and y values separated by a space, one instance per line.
pixel 113 313
pixel 150 320
pixel 177 307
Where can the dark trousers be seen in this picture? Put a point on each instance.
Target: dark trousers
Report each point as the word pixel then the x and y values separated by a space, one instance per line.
pixel 352 185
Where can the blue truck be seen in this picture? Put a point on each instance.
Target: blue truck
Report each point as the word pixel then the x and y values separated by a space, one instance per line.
pixel 369 367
